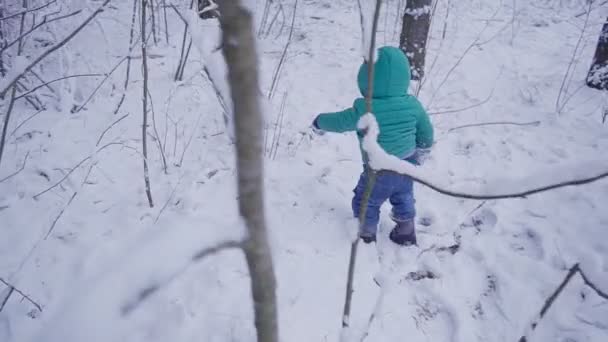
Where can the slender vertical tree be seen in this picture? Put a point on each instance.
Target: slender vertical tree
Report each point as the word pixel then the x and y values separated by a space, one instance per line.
pixel 239 49
pixel 414 33
pixel 598 73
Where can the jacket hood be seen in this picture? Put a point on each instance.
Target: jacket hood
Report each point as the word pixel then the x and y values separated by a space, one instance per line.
pixel 391 74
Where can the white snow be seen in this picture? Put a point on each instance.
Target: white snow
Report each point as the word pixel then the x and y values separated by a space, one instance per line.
pixel 482 271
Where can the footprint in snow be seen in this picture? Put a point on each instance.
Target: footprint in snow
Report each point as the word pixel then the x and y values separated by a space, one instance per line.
pixel 528 243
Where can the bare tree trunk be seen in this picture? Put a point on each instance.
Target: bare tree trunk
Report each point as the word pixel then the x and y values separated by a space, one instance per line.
pixel 414 33
pixel 242 61
pixel 598 73
pixel 144 128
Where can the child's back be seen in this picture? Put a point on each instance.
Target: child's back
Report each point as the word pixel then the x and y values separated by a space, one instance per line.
pixel 404 127
pixel 404 124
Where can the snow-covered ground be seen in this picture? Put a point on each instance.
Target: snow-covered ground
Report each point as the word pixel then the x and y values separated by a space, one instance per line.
pixel 87 247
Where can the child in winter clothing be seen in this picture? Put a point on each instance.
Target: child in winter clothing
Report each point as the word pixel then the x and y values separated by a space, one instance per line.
pixel 405 130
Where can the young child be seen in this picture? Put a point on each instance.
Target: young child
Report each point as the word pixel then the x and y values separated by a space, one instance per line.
pixel 405 131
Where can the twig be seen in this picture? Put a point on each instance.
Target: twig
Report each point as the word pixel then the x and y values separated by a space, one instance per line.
pixel 144 126
pixel 56 80
pixel 20 169
pixel 8 295
pixel 372 177
pixel 160 145
pixel 166 22
pixel 37 26
pixel 48 233
pixel 549 301
pixel 532 123
pixel 74 168
pixel 129 58
pixel 29 10
pixel 26 297
pixel 110 127
pixel 147 292
pixel 25 121
pixel 282 117
pixel 53 48
pixel 564 88
pixel 184 62
pixel 181 159
pixel 168 200
pixel 277 71
pixel 81 107
pixel 183 49
pixel 587 12
pixel 11 103
pixel 152 14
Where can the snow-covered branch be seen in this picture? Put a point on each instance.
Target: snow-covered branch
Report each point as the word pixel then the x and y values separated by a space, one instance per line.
pixel 545 180
pixel 24 68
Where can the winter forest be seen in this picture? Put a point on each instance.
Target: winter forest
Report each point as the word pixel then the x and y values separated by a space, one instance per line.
pixel 304 170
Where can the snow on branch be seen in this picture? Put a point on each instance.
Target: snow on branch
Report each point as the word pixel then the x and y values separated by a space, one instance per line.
pixel 544 180
pixel 24 68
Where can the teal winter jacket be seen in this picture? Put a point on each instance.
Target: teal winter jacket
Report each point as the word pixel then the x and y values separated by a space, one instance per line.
pixel 404 124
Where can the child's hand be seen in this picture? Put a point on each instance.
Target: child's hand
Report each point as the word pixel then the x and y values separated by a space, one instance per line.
pixel 315 128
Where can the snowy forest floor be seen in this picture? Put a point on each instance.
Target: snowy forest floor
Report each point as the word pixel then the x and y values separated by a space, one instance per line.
pixel 484 269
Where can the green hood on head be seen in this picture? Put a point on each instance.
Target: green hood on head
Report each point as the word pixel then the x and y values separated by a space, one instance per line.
pixel 391 74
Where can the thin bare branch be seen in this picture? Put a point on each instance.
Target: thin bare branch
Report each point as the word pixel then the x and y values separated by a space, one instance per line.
pixel 532 123
pixel 372 177
pixel 29 10
pixel 6 298
pixel 553 297
pixel 108 75
pixel 22 294
pixel 74 168
pixel 37 26
pixel 19 170
pixel 110 127
pixel 129 58
pixel 52 49
pixel 144 127
pixel 147 292
pixel 53 81
pixel 277 72
pixel 559 107
pixel 25 121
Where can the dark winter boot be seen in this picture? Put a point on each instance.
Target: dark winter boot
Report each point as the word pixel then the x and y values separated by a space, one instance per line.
pixel 367 237
pixel 404 233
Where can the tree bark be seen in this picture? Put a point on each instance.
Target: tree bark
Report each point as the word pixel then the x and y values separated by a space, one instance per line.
pixel 242 61
pixel 414 33
pixel 598 73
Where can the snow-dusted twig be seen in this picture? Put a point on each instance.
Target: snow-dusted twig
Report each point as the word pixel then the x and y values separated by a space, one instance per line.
pixel 21 293
pixel 129 58
pixel 94 92
pixel 166 22
pixel 496 123
pixel 559 107
pixel 553 297
pixel 18 171
pixel 45 21
pixel 46 84
pixel 157 135
pixel 25 121
pixel 593 9
pixel 277 71
pixel 29 10
pixel 110 127
pixel 11 104
pixel 144 126
pixel 147 292
pixel 6 298
pixel 36 196
pixel 372 177
pixel 52 49
pixel 380 160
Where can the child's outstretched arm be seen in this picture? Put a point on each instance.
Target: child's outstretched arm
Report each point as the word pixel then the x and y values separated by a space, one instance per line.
pixel 424 130
pixel 338 122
